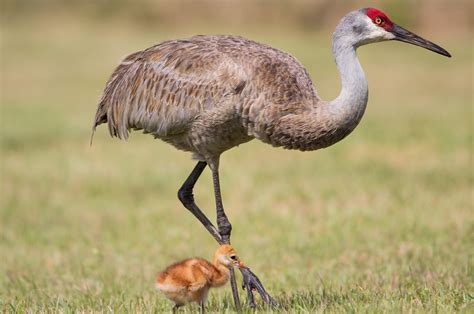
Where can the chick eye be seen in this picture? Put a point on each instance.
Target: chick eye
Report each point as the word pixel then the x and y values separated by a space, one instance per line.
pixel 378 20
pixel 233 257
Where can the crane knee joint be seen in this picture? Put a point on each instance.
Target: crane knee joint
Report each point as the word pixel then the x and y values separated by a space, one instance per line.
pixel 185 196
pixel 225 229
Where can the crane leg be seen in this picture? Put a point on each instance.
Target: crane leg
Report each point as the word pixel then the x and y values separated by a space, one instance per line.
pixel 223 223
pixel 224 226
pixel 222 236
pixel 185 195
pixel 250 280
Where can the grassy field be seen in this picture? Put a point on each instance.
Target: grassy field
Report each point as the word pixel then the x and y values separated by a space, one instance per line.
pixel 382 221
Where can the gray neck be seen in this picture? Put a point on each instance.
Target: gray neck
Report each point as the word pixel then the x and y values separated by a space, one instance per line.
pixel 350 105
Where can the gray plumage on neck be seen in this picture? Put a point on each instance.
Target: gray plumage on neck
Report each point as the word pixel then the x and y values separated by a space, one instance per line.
pixel 350 105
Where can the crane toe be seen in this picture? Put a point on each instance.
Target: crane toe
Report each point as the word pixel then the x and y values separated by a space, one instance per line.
pixel 251 283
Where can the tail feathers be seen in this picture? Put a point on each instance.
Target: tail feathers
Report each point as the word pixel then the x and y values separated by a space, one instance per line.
pixel 100 117
pixel 111 107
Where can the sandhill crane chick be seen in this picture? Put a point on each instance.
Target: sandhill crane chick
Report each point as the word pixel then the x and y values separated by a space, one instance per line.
pixel 191 279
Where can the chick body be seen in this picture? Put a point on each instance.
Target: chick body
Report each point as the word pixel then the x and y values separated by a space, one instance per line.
pixel 190 280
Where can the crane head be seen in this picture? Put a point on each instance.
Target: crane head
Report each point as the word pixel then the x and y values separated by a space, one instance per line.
pixel 370 25
pixel 381 20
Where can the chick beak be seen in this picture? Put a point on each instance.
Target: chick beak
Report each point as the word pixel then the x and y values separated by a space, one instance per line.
pixel 404 35
pixel 238 263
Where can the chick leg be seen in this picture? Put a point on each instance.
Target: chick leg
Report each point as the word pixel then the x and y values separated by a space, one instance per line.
pixel 176 307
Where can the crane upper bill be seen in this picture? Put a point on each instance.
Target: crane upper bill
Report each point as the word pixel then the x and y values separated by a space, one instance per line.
pixel 406 36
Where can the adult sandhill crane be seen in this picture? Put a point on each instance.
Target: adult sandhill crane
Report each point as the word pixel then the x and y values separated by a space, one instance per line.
pixel 191 279
pixel 207 94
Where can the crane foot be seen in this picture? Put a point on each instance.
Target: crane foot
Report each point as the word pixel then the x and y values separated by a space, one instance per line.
pixel 250 283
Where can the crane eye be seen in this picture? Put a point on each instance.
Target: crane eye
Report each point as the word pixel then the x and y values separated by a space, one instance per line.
pixel 233 257
pixel 378 20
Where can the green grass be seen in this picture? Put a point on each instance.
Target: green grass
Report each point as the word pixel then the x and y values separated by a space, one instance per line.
pixel 383 221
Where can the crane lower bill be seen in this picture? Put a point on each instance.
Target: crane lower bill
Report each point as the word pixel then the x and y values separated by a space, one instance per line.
pixel 406 36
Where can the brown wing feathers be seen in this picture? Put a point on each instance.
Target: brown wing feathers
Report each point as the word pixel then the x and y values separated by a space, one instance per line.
pixel 155 90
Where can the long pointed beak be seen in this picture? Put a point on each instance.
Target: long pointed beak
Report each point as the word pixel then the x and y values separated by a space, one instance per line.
pixel 404 35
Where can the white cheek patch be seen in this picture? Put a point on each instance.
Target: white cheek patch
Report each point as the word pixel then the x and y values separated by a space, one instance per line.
pixel 388 35
pixel 223 260
pixel 381 34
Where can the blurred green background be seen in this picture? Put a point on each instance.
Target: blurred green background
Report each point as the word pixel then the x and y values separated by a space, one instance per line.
pixel 382 221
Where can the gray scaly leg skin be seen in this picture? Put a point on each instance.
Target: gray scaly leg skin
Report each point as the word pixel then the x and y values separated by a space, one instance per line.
pixel 185 195
pixel 224 226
